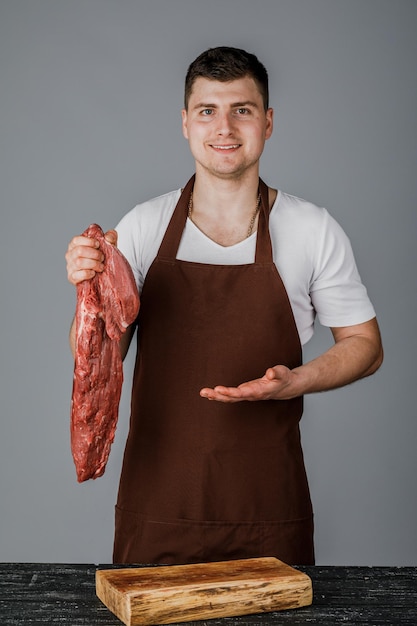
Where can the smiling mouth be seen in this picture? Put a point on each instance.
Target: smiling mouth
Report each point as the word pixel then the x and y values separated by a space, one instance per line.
pixel 229 147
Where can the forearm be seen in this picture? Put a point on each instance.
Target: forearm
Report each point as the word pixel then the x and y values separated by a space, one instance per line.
pixel 357 353
pixel 345 362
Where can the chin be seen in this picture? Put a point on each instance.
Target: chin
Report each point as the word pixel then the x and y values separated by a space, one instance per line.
pixel 227 173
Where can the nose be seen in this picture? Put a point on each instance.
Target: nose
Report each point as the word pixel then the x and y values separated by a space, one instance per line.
pixel 224 124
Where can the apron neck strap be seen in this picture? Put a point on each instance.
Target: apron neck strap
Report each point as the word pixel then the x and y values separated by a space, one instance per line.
pixel 171 240
pixel 263 252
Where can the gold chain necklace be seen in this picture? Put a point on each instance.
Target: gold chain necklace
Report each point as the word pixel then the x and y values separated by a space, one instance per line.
pixel 252 219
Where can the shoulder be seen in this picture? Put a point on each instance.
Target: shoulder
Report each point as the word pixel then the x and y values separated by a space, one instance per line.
pixel 151 212
pixel 318 267
pixel 141 230
pixel 309 244
pixel 295 210
pixel 145 224
pixel 303 226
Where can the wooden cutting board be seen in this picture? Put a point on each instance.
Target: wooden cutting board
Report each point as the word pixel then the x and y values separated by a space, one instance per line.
pixel 181 593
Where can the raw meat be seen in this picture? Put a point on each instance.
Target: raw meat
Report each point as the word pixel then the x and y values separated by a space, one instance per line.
pixel 106 305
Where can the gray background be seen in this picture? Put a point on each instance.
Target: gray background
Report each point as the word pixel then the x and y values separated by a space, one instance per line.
pixel 90 99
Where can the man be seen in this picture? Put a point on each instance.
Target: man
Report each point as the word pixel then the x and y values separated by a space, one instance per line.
pixel 231 274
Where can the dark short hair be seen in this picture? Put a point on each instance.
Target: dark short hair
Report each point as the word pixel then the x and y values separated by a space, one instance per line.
pixel 226 64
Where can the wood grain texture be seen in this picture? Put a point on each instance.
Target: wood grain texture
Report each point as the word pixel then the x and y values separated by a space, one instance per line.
pixel 181 593
pixel 34 594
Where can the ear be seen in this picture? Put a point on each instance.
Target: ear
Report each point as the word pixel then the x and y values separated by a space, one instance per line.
pixel 269 123
pixel 184 123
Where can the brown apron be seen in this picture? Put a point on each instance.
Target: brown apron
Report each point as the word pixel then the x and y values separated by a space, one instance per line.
pixel 203 480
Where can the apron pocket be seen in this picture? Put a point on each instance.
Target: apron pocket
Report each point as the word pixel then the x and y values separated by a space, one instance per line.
pixel 176 542
pixel 289 541
pixel 165 542
pixel 125 536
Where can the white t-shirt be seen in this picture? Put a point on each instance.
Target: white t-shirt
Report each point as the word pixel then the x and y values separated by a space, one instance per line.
pixel 311 251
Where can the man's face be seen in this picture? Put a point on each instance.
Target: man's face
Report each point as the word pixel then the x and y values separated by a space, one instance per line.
pixel 226 126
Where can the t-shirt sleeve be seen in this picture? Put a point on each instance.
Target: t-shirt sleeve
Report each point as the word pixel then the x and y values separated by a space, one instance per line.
pixel 141 230
pixel 337 292
pixel 128 231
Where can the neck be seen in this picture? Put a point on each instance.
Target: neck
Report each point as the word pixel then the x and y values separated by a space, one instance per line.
pixel 225 197
pixel 226 212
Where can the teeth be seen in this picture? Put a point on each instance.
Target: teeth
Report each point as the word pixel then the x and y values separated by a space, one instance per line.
pixel 226 147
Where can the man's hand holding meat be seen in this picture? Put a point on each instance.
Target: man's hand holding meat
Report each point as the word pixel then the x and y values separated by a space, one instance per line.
pixel 84 257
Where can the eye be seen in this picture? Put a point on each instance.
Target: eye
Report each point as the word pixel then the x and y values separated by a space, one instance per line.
pixel 207 112
pixel 243 111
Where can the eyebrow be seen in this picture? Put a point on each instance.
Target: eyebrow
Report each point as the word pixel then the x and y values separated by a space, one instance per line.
pixel 234 105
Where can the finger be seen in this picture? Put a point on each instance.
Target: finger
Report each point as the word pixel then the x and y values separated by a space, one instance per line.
pixel 83 267
pixel 230 394
pixel 221 390
pixel 83 264
pixel 82 248
pixel 278 373
pixel 95 263
pixel 81 240
pixel 111 237
pixel 214 394
pixel 270 374
pixel 80 253
pixel 79 276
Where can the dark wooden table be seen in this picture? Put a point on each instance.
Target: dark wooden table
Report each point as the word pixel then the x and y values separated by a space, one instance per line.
pixel 65 594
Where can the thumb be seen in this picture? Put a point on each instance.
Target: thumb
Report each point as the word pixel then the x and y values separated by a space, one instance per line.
pixel 111 237
pixel 270 373
pixel 278 372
